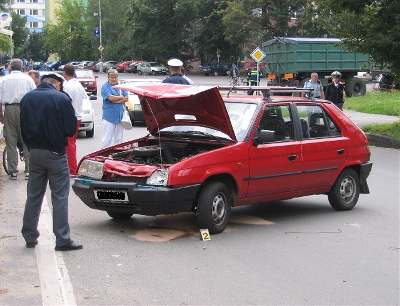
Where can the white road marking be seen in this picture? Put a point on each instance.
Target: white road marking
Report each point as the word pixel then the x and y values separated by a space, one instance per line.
pixel 54 279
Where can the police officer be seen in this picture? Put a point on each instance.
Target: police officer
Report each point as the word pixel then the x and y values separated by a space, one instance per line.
pixel 176 74
pixel 253 77
pixel 46 137
pixel 335 90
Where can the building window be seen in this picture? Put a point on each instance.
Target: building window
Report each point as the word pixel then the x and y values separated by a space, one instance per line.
pixel 34 1
pixel 34 12
pixel 33 24
pixel 21 12
pixel 21 1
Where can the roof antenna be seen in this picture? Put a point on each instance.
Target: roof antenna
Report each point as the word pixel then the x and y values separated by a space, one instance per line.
pixel 158 132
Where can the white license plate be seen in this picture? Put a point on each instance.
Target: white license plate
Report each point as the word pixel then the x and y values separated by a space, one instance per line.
pixel 113 196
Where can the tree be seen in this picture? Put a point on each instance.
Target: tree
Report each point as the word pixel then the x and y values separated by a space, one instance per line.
pixel 369 26
pixel 34 47
pixel 20 33
pixel 70 35
pixel 5 43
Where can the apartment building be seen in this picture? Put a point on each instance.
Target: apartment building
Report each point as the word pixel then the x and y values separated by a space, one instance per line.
pixel 34 10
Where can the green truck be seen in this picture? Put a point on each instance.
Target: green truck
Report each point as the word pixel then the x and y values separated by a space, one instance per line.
pixel 290 61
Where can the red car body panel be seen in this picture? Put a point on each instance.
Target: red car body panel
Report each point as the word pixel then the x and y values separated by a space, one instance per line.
pixel 201 106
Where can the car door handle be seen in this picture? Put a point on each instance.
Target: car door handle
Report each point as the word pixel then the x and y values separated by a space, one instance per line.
pixel 292 157
pixel 340 151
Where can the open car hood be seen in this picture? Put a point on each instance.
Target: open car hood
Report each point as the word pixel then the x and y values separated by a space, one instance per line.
pixel 174 105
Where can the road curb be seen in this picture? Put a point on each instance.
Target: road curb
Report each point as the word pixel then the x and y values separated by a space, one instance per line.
pixel 383 141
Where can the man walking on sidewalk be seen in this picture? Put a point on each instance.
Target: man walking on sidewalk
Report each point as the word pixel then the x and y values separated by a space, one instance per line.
pixel 77 94
pixel 46 137
pixel 12 88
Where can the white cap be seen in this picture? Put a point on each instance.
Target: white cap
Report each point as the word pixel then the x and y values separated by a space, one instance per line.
pixel 174 62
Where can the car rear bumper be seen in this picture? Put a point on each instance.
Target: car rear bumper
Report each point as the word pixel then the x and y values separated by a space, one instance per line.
pixel 365 170
pixel 142 199
pixel 86 126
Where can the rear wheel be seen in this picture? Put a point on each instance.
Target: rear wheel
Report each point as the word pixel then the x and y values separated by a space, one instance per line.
pixel 118 216
pixel 344 194
pixel 214 207
pixel 355 87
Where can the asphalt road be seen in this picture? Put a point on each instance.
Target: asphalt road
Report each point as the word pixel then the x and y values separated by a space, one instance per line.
pixel 298 251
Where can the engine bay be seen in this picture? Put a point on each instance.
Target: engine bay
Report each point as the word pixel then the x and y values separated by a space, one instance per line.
pixel 169 152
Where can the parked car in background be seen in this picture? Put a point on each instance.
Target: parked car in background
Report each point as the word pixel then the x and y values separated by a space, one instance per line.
pixel 152 68
pixel 88 80
pixel 121 67
pixel 109 65
pixel 133 105
pixel 90 65
pixel 87 119
pixel 98 66
pixel 215 69
pixel 132 68
pixel 208 152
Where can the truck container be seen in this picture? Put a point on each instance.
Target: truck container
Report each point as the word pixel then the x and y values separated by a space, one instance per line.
pixel 291 60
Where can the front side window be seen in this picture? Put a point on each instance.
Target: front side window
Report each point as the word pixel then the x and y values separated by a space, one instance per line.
pixel 315 123
pixel 277 118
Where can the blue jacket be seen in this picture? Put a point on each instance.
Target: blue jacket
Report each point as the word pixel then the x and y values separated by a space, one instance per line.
pixel 47 119
pixel 176 79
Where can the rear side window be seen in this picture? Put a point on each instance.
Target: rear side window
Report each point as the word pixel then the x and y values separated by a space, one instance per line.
pixel 278 119
pixel 315 123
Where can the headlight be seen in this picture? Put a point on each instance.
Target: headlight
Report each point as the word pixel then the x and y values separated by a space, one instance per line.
pixel 158 178
pixel 91 168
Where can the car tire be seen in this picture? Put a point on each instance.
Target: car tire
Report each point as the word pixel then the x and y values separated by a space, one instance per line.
pixel 214 207
pixel 118 216
pixel 346 190
pixel 90 134
pixel 140 72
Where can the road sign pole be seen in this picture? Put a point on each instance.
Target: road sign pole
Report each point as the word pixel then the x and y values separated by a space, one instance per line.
pixel 258 74
pixel 101 33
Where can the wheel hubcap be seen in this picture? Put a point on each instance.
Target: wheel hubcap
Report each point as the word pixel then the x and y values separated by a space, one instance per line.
pixel 218 208
pixel 348 189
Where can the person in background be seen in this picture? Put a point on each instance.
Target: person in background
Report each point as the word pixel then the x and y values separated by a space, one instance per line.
pixel 253 79
pixel 176 74
pixel 34 74
pixel 77 94
pixel 113 109
pixel 12 88
pixel 335 90
pixel 315 84
pixel 46 138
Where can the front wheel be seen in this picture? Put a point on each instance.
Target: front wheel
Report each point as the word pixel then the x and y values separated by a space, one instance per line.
pixel 214 207
pixel 344 194
pixel 117 216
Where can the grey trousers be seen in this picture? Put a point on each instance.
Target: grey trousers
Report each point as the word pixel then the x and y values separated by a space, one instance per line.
pixel 46 167
pixel 12 135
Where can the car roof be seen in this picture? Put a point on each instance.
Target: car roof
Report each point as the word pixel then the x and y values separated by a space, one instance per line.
pixel 272 100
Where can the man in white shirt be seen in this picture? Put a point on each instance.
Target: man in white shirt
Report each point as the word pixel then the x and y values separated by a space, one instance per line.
pixel 12 88
pixel 77 94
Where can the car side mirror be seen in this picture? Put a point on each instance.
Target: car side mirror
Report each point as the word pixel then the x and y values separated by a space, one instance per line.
pixel 93 98
pixel 264 136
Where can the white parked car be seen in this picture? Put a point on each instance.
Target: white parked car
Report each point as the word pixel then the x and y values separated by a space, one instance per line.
pixel 87 119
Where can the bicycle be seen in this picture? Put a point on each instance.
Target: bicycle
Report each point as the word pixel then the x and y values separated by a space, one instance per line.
pixel 20 151
pixel 235 81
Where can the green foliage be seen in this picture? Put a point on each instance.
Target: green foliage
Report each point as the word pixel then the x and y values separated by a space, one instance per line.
pixel 70 36
pixel 20 34
pixel 5 44
pixel 386 103
pixel 387 129
pixel 34 47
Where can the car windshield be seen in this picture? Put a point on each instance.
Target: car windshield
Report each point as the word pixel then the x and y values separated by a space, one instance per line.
pixel 240 115
pixel 84 73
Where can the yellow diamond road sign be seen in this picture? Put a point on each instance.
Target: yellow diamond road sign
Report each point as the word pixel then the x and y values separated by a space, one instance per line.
pixel 258 55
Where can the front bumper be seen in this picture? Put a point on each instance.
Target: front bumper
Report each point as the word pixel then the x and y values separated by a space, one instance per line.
pixel 143 199
pixel 365 170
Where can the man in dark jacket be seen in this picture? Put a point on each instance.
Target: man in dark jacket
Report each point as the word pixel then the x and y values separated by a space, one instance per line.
pixel 177 77
pixel 47 119
pixel 335 90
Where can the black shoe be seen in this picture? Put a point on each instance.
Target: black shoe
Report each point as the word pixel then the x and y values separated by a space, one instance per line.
pixel 31 244
pixel 72 246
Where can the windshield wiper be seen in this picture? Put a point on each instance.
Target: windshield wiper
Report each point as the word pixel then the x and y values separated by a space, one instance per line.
pixel 193 133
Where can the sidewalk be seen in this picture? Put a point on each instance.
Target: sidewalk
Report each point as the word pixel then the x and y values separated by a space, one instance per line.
pixel 363 119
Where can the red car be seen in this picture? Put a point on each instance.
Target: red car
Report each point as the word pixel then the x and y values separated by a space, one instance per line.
pixel 88 80
pixel 121 67
pixel 206 154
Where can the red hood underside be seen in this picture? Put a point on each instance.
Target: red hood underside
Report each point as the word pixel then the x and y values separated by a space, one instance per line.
pixel 166 105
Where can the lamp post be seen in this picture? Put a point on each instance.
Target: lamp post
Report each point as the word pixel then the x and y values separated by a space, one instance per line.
pixel 101 48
